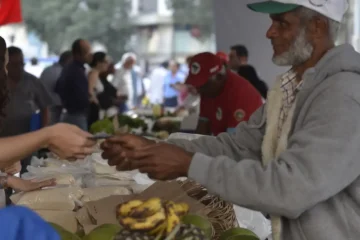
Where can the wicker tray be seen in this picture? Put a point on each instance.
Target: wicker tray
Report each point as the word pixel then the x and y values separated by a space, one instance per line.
pixel 220 213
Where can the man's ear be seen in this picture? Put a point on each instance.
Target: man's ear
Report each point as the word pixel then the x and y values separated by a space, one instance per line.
pixel 318 27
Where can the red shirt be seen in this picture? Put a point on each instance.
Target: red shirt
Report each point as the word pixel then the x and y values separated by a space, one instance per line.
pixel 235 104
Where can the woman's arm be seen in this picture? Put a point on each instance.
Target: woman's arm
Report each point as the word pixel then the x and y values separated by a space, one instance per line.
pixel 93 77
pixel 65 140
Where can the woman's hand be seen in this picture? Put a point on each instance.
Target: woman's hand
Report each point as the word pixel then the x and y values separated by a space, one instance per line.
pixel 68 141
pixel 13 169
pixel 21 185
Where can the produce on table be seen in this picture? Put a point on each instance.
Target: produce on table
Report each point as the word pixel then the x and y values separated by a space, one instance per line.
pixel 155 219
pixel 64 234
pixel 105 125
pixel 238 234
pixel 131 122
pixel 162 134
pixel 199 222
pixel 103 232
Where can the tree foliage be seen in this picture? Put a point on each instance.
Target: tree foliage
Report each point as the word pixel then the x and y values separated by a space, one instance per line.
pixel 59 22
pixel 197 13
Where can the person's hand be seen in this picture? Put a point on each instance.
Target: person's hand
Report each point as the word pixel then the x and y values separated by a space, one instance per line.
pixel 13 169
pixel 69 142
pixel 160 161
pixel 21 185
pixel 115 147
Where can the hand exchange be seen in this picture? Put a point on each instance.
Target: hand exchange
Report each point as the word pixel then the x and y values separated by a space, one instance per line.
pixel 160 161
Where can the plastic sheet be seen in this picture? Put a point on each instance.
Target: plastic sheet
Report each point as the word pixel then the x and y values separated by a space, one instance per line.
pixel 50 199
pixel 91 180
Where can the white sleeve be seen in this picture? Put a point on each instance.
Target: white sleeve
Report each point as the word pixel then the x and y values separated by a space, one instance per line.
pixel 120 83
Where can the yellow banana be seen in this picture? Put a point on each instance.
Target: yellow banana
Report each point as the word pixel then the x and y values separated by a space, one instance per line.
pixel 172 219
pixel 144 224
pixel 159 230
pixel 181 209
pixel 148 208
pixel 125 208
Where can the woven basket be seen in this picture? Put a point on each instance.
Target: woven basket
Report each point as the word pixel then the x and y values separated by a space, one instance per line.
pixel 220 213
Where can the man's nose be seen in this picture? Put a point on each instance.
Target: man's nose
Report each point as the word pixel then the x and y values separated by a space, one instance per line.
pixel 271 32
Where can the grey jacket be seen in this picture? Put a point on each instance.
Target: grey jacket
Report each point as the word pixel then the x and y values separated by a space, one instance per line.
pixel 315 184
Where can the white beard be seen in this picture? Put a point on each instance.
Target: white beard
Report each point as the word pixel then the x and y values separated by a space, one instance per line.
pixel 299 52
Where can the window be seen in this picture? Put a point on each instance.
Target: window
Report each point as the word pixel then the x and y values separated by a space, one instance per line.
pixel 148 6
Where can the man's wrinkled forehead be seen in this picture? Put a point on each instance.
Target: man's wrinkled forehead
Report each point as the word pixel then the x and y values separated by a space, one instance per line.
pixel 289 17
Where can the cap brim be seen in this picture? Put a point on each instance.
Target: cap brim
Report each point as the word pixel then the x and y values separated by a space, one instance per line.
pixel 193 81
pixel 272 7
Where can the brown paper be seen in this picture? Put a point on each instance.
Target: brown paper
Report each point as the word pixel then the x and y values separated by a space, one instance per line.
pixel 104 210
pixel 85 220
pixel 65 219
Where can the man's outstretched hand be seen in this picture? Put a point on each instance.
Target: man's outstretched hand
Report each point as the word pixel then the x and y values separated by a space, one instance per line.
pixel 116 147
pixel 160 161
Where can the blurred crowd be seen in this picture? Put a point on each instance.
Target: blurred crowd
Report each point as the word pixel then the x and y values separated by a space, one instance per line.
pixel 83 87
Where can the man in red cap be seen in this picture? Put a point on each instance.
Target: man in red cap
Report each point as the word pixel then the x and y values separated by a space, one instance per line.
pixel 226 98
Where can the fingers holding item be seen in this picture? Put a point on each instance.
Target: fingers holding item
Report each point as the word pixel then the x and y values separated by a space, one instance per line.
pixel 139 154
pixel 118 139
pixel 45 183
pixel 125 165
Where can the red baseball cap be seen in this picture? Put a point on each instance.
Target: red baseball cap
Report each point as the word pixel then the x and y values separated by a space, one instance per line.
pixel 201 67
pixel 223 56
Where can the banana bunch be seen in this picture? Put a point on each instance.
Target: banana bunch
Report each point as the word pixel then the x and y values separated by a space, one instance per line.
pixel 154 216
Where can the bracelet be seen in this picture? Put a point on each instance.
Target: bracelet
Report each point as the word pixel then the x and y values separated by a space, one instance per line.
pixel 4 182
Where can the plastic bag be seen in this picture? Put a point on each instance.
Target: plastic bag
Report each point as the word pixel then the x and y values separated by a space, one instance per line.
pixel 97 193
pixel 66 173
pixel 99 165
pixel 254 221
pixel 91 180
pixel 50 199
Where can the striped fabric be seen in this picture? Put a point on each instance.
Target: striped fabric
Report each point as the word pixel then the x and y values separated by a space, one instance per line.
pixel 290 87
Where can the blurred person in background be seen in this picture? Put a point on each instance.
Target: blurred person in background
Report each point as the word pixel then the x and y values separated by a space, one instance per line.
pixel 184 68
pixel 128 82
pixel 27 95
pixel 34 67
pixel 99 65
pixel 157 77
pixel 238 62
pixel 49 78
pixel 108 99
pixel 224 57
pixel 226 98
pixel 173 77
pixel 73 86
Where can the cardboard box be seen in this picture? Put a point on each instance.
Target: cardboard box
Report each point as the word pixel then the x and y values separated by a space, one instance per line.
pixel 104 210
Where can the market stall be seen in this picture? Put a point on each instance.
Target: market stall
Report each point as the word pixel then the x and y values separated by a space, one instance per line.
pixel 94 201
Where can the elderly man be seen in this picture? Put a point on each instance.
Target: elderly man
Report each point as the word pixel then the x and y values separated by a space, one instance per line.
pixel 128 81
pixel 297 157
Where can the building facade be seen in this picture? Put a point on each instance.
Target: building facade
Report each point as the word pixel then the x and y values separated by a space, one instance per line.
pixel 156 37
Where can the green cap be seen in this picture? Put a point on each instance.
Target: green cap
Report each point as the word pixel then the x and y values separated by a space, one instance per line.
pixel 272 7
